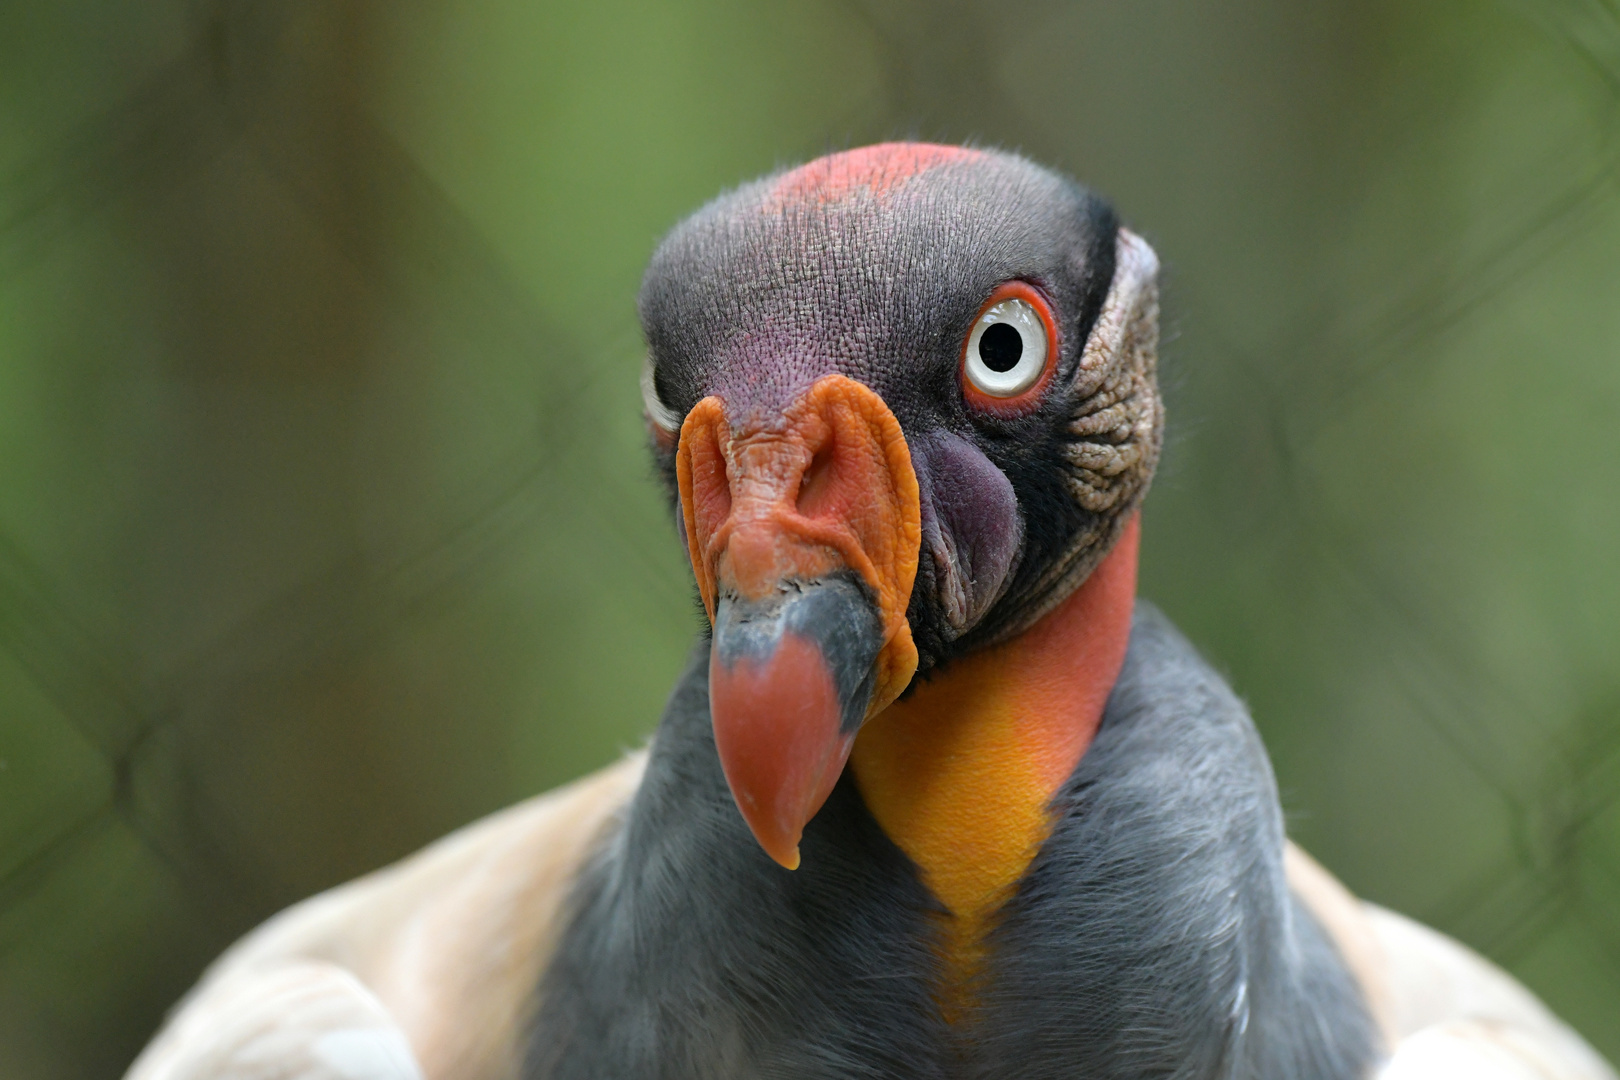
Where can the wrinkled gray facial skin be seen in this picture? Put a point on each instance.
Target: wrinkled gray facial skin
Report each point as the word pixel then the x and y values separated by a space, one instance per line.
pixel 875 267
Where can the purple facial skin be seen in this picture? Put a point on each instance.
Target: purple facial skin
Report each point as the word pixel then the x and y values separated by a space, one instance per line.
pixel 970 524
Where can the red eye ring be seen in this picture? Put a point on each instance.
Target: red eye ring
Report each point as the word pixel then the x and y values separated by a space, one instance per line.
pixel 1025 401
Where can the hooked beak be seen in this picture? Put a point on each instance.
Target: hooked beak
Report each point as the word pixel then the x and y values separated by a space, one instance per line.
pixel 804 533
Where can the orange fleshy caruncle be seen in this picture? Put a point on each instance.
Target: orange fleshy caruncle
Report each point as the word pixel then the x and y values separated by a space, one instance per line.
pixel 824 490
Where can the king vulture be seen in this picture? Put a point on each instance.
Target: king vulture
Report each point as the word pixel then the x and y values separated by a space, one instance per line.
pixel 936 795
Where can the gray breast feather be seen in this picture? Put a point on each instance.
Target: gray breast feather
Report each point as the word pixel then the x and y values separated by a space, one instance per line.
pixel 1154 935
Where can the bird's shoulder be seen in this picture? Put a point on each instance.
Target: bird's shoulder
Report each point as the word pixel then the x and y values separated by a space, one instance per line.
pixel 1457 1015
pixel 390 966
pixel 1445 1012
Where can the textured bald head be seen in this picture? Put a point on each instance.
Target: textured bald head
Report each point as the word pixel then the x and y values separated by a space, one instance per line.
pixel 874 264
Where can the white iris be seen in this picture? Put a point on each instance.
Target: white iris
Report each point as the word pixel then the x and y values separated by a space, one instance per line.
pixel 1000 364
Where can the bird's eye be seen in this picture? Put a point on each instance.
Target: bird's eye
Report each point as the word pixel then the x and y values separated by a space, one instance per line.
pixel 666 422
pixel 1008 348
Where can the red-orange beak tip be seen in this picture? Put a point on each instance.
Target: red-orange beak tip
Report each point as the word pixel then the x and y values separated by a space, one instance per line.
pixel 789 683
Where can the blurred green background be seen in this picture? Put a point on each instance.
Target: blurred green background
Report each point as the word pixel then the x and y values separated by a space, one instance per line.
pixel 325 523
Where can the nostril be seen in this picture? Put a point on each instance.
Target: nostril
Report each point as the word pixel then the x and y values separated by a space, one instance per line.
pixel 817 482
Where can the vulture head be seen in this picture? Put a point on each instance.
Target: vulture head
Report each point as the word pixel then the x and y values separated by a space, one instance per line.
pixel 904 400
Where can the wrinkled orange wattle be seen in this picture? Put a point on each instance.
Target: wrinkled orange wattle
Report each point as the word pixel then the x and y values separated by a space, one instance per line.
pixel 824 487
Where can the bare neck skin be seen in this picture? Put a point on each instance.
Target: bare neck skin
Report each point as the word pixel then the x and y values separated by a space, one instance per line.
pixel 962 773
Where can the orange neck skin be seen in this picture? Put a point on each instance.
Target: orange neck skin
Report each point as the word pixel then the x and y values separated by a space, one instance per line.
pixel 961 774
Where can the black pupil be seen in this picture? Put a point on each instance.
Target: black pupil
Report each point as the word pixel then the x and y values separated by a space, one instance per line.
pixel 1000 346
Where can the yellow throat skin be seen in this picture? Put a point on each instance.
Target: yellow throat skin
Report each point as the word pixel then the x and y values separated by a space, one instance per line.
pixel 961 774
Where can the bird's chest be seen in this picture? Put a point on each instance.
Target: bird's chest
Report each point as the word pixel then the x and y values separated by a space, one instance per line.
pixel 961 777
pixel 1149 936
pixel 962 773
pixel 1112 895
